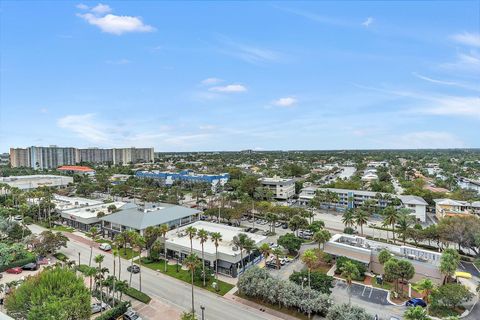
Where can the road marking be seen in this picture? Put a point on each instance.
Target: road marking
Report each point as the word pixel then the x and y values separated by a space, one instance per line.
pixel 371 291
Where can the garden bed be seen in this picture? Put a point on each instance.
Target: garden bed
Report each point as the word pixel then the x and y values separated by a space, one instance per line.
pixel 184 275
pixel 287 311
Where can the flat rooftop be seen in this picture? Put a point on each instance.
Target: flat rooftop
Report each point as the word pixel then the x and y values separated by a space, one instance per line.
pixel 416 254
pixel 65 203
pixel 179 237
pixel 91 211
pixel 34 181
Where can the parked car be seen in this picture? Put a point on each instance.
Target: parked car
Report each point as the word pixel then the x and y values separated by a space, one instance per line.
pixel 18 218
pixel 277 224
pixel 131 315
pixel 30 266
pixel 99 307
pixel 15 270
pixel 416 302
pixel 133 269
pixel 285 226
pixel 105 247
pixel 42 261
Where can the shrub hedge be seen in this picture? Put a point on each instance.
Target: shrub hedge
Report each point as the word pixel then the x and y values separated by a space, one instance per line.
pixel 60 256
pixel 18 263
pixel 140 296
pixel 114 313
pixel 360 266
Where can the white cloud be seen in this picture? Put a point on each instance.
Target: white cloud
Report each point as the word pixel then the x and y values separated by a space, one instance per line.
pixel 119 61
pixel 82 6
pixel 114 24
pixel 211 81
pixel 43 110
pixel 101 9
pixel 285 102
pixel 466 62
pixel 231 88
pixel 467 38
pixel 367 22
pixel 426 139
pixel 83 125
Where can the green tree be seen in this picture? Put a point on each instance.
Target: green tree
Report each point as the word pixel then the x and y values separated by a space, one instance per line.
pixel 240 241
pixel 297 222
pixel 390 217
pixel 392 272
pixel 277 252
pixel 309 258
pixel 415 313
pixel 93 234
pixel 321 237
pixel 216 238
pixel 163 231
pixel 349 272
pixel 426 287
pixel 58 293
pixel 191 261
pixel 449 262
pixel 451 295
pixel 348 217
pixel 384 256
pixel 290 242
pixel 202 235
pixel 406 271
pixel 191 232
pixel 361 218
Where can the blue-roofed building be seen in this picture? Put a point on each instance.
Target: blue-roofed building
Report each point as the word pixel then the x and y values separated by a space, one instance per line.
pixel 168 178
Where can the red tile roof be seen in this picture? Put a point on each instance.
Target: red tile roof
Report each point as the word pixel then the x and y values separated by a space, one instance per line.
pixel 76 168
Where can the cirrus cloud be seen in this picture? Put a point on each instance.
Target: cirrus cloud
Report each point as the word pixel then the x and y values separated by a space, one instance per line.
pixel 467 38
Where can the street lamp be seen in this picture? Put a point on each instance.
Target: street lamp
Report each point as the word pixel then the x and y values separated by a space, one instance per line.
pixel 203 310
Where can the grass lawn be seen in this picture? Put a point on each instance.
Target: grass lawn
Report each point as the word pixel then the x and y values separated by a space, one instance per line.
pixel 63 229
pixel 185 276
pixel 127 253
pixel 444 312
pixel 385 285
pixel 103 241
pixel 290 312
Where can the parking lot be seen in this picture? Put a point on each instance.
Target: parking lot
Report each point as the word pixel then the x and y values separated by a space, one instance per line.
pixel 361 292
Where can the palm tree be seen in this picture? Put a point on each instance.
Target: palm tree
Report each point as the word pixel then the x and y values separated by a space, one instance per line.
pixel 99 259
pixel 216 238
pixel 139 243
pixel 405 220
pixel 249 247
pixel 191 232
pixel 309 258
pixel 202 235
pixel 265 250
pixel 117 241
pixel 239 241
pixel 90 272
pixel 191 261
pixel 121 287
pixel 93 234
pixel 132 236
pixel 391 217
pixel 348 217
pixel 361 218
pixel 425 286
pixel 163 231
pixel 321 236
pixel 277 252
pixel 349 272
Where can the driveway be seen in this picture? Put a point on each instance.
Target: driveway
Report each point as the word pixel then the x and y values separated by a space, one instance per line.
pixel 469 267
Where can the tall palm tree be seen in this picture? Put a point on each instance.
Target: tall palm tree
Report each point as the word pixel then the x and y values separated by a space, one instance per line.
pixel 132 236
pixel 191 232
pixel 99 259
pixel 117 241
pixel 349 272
pixel 93 234
pixel 321 236
pixel 216 238
pixel 163 231
pixel 309 258
pixel 361 218
pixel 239 241
pixel 391 217
pixel 405 221
pixel 202 235
pixel 191 261
pixel 348 217
pixel 277 252
pixel 139 243
pixel 265 250
pixel 249 247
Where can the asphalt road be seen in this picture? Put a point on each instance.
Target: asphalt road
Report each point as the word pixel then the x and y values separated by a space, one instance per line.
pixel 168 289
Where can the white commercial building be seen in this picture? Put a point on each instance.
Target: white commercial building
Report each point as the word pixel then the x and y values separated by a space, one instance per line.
pixel 355 198
pixel 281 188
pixel 35 181
pixel 229 257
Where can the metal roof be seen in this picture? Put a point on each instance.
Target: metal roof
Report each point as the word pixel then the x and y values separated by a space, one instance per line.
pixel 139 217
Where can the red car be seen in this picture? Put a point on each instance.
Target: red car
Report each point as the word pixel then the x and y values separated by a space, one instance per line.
pixel 15 270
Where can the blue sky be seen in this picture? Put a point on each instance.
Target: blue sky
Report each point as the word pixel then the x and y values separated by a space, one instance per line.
pixel 186 76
